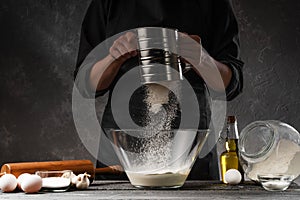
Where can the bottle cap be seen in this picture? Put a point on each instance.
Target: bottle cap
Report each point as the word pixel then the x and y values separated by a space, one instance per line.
pixel 231 119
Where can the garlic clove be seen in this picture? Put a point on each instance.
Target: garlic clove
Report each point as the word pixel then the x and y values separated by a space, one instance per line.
pixel 83 181
pixel 72 176
pixel 74 180
pixel 68 175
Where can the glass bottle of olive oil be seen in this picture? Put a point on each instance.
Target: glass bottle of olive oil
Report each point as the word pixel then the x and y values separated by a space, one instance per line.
pixel 229 158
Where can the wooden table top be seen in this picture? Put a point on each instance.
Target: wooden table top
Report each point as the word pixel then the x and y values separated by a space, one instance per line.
pixel 191 190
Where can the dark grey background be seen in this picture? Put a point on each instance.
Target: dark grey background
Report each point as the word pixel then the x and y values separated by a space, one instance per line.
pixel 38 48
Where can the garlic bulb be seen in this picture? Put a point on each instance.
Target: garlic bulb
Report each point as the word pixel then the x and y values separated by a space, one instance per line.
pixel 72 176
pixel 74 180
pixel 82 181
pixel 68 175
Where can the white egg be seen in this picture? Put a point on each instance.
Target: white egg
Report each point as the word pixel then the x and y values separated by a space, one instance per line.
pixel 8 183
pixel 31 184
pixel 233 176
pixel 21 178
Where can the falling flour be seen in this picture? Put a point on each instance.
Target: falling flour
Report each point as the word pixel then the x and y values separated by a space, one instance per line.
pixel 157 149
pixel 157 96
pixel 162 105
pixel 162 111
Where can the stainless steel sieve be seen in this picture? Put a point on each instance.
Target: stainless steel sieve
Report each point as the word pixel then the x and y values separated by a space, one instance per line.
pixel 158 56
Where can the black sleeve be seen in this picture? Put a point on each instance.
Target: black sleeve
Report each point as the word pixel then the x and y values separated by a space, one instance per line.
pixel 92 34
pixel 225 44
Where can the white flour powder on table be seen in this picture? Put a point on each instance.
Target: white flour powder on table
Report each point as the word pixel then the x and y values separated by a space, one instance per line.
pixel 281 161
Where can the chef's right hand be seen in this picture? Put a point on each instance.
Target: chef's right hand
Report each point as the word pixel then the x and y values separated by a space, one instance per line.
pixel 124 47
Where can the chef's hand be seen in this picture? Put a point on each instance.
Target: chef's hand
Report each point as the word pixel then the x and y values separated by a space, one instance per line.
pixel 215 74
pixel 189 48
pixel 105 70
pixel 124 47
pixel 196 38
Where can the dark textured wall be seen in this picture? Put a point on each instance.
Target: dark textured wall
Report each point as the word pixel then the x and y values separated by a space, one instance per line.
pixel 39 40
pixel 270 48
pixel 38 47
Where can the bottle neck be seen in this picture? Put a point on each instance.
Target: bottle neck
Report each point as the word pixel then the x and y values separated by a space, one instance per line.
pixel 232 134
pixel 232 131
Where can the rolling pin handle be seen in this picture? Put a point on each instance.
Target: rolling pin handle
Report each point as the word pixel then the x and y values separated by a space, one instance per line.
pixel 115 169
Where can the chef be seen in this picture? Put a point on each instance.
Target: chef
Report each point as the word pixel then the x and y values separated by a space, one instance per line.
pixel 211 21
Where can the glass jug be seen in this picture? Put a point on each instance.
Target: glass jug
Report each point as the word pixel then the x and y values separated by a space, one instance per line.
pixel 269 147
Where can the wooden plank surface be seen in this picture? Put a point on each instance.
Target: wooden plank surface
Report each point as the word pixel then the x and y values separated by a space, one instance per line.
pixel 191 190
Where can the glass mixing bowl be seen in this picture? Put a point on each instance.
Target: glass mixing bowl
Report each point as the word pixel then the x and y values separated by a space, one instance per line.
pixel 161 159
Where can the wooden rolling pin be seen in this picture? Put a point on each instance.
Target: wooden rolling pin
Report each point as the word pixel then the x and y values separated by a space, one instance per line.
pixel 77 166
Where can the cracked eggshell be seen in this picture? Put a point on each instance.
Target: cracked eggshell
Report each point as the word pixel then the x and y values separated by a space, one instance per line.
pixel 8 183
